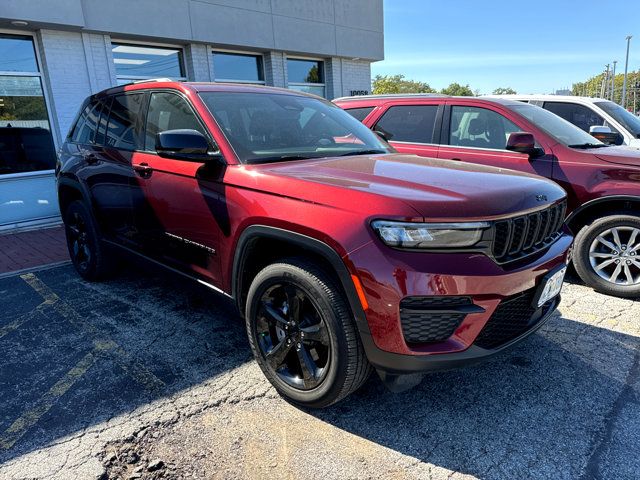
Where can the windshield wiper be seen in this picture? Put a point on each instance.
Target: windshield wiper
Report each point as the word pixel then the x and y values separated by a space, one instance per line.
pixel 588 145
pixel 363 152
pixel 282 158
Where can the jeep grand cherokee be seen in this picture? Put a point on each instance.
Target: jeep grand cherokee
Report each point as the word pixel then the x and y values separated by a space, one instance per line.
pixel 342 255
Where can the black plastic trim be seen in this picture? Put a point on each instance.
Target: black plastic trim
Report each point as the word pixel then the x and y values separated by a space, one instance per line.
pixel 596 201
pixel 394 363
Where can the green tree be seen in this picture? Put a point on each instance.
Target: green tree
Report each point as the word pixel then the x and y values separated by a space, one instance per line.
pixel 592 87
pixel 455 89
pixel 385 84
pixel 504 91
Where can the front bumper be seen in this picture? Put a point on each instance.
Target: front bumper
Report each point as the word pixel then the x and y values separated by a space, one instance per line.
pixel 388 276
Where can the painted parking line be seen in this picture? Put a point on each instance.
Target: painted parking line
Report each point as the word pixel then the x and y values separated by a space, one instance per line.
pixel 133 368
pixel 29 418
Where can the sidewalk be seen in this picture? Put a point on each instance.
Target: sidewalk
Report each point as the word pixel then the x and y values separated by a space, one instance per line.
pixel 24 250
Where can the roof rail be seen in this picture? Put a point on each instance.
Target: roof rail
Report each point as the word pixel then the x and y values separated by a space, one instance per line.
pixel 160 79
pixel 394 95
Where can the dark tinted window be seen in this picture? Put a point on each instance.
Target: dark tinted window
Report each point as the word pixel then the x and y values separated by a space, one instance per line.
pixel 85 128
pixel 236 67
pixel 479 128
pixel 628 120
pixel 26 150
pixel 168 111
pixel 122 126
pixel 579 115
pixel 410 123
pixel 359 113
pixel 305 71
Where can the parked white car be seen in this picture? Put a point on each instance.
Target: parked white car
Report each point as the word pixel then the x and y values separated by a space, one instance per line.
pixel 590 114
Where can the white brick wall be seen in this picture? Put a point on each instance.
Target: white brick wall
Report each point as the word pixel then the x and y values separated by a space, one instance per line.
pixel 69 76
pixel 198 63
pixel 275 69
pixel 343 76
pixel 356 76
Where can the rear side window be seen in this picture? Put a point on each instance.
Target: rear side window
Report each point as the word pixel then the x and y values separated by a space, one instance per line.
pixel 122 127
pixel 359 113
pixel 409 123
pixel 85 129
pixel 168 111
pixel 581 116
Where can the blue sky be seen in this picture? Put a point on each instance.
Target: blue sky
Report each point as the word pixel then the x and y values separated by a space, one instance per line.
pixel 533 47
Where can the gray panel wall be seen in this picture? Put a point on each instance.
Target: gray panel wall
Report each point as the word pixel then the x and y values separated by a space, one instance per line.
pixel 348 28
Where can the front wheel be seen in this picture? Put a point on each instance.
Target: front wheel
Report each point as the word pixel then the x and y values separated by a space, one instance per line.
pixel 607 255
pixel 302 334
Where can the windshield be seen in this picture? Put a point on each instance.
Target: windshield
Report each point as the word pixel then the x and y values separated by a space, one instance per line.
pixel 627 119
pixel 563 131
pixel 272 127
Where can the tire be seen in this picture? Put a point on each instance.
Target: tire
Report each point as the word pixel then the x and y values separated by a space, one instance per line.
pixel 332 341
pixel 90 257
pixel 594 253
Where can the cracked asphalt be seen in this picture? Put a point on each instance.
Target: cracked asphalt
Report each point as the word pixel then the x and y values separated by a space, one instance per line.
pixel 150 376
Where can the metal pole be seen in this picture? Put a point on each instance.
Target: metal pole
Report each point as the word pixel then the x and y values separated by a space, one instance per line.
pixel 613 81
pixel 605 81
pixel 624 82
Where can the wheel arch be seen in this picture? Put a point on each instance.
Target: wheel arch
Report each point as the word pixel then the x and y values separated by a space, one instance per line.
pixel 260 245
pixel 70 189
pixel 600 207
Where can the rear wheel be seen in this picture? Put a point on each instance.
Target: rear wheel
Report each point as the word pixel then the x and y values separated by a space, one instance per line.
pixel 302 334
pixel 91 259
pixel 607 255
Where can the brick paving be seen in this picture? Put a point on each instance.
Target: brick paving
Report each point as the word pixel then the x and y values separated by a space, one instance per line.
pixel 23 250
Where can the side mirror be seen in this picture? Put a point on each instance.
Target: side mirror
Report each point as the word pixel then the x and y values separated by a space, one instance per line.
pixel 523 142
pixel 605 135
pixel 185 144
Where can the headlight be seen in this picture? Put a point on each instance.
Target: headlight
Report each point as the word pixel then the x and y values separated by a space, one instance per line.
pixel 429 235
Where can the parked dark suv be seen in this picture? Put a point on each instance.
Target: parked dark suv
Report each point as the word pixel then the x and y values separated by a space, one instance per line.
pixel 340 254
pixel 602 181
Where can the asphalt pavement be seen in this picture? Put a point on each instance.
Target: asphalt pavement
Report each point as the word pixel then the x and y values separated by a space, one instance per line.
pixel 150 376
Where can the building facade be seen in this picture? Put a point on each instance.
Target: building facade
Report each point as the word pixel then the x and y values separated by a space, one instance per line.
pixel 54 53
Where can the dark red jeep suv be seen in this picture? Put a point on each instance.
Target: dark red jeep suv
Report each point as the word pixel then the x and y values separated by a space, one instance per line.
pixel 602 181
pixel 342 255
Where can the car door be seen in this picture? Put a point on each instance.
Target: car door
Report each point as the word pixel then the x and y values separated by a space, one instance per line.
pixel 104 163
pixel 180 213
pixel 410 128
pixel 478 134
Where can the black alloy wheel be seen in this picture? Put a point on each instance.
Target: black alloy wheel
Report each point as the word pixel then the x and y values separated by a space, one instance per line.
pixel 303 334
pixel 292 336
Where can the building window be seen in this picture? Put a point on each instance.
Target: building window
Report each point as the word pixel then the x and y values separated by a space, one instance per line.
pixel 238 67
pixel 306 76
pixel 136 62
pixel 26 143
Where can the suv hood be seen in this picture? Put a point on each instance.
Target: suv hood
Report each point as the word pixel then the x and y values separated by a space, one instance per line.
pixel 433 188
pixel 619 155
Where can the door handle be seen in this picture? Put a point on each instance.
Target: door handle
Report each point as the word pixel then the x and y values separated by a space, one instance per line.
pixel 143 169
pixel 456 159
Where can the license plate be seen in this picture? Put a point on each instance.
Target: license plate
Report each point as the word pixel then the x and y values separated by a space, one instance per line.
pixel 551 286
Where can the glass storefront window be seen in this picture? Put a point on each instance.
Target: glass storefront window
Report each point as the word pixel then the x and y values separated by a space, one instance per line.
pixel 17 54
pixel 236 67
pixel 26 144
pixel 306 76
pixel 136 62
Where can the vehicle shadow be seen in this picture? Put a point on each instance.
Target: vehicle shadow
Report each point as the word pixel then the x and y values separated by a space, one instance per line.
pixel 538 410
pixel 97 350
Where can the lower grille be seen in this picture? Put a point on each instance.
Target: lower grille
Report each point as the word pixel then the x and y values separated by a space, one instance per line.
pixel 432 319
pixel 513 317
